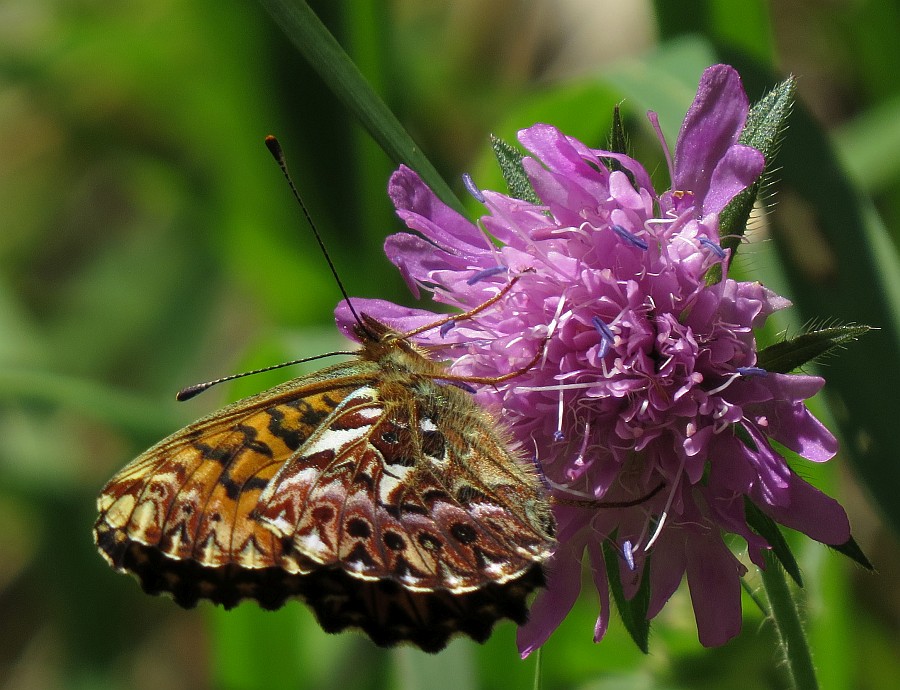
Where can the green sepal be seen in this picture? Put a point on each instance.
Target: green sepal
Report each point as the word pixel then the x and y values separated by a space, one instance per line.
pixel 788 355
pixel 510 160
pixel 765 125
pixel 618 138
pixel 618 143
pixel 768 529
pixel 852 551
pixel 633 612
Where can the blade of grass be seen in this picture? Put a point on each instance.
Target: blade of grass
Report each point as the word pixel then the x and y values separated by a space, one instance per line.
pixel 324 53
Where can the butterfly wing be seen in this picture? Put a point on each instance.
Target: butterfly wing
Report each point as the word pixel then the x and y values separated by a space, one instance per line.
pixel 180 516
pixel 387 502
pixel 399 489
pixel 423 521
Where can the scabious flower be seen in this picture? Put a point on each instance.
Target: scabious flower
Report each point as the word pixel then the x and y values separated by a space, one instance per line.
pixel 646 394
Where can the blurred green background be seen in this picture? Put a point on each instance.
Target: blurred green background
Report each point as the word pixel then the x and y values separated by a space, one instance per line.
pixel 147 241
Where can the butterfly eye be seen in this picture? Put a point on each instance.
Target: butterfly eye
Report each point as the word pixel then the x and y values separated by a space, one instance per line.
pixel 390 437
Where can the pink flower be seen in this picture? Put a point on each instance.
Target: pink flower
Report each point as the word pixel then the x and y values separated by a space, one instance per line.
pixel 646 392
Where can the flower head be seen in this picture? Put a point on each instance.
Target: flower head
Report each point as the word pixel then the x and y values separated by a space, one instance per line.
pixel 646 394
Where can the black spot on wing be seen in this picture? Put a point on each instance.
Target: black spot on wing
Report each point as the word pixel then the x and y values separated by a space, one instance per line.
pixel 433 444
pixel 233 489
pixel 292 437
pixel 250 441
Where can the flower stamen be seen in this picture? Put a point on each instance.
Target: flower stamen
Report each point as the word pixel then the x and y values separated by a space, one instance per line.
pixel 630 237
pixel 471 188
pixel 606 335
pixel 445 328
pixel 485 273
pixel 665 513
pixel 713 247
pixel 628 554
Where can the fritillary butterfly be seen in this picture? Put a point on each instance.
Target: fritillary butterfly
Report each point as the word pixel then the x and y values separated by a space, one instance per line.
pixel 373 490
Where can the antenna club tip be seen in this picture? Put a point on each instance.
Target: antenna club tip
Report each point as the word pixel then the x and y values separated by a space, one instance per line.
pixel 190 392
pixel 274 147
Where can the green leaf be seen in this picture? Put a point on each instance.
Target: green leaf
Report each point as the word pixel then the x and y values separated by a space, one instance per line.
pixel 852 551
pixel 763 130
pixel 324 53
pixel 618 143
pixel 766 527
pixel 789 355
pixel 510 160
pixel 741 26
pixel 633 612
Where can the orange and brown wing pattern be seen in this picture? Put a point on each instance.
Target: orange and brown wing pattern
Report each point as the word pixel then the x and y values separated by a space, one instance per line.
pixel 422 522
pixel 386 501
pixel 415 487
pixel 181 516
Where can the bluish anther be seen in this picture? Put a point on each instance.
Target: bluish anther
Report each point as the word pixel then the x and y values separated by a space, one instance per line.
pixel 751 371
pixel 446 328
pixel 486 273
pixel 462 385
pixel 628 554
pixel 558 435
pixel 606 336
pixel 630 237
pixel 469 184
pixel 713 247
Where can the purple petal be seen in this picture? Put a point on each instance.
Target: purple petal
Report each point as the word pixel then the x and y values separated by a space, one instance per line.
pixel 667 568
pixel 554 603
pixel 712 125
pixel 735 172
pixel 562 154
pixel 419 260
pixel 714 578
pixel 795 427
pixel 422 211
pixel 810 511
pixel 401 319
pixel 598 571
pixel 641 178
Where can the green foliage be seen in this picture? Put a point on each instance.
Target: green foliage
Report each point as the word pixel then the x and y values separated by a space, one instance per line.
pixel 633 612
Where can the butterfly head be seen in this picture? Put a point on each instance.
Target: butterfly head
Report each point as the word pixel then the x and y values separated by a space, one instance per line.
pixel 379 340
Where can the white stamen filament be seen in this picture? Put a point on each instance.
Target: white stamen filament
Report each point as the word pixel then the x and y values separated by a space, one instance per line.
pixel 559 420
pixel 557 387
pixel 731 378
pixel 665 513
pixel 650 222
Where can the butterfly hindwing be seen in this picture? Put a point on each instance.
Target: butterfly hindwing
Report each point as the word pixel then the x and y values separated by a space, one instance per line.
pixel 387 489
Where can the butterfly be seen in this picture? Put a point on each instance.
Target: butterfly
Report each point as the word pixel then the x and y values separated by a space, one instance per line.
pixel 374 490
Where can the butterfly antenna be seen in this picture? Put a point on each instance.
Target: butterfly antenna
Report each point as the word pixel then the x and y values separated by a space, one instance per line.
pixel 278 154
pixel 198 388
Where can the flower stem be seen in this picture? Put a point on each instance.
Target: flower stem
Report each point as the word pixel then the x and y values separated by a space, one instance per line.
pixel 787 622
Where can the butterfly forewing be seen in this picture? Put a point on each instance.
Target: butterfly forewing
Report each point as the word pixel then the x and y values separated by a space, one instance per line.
pixel 192 495
pixel 383 498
